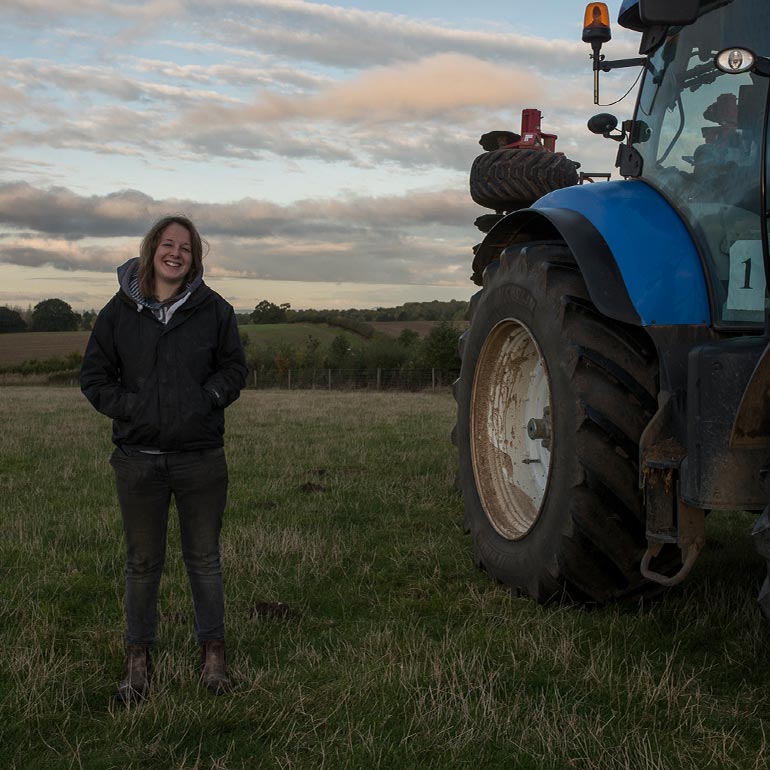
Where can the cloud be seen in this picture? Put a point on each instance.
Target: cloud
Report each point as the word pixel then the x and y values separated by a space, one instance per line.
pixel 42 11
pixel 58 211
pixel 431 88
pixel 344 37
pixel 421 237
pixel 44 75
pixel 401 114
pixel 62 212
pixel 101 93
pixel 353 39
pixel 59 255
pixel 418 91
pixel 434 88
pixel 269 75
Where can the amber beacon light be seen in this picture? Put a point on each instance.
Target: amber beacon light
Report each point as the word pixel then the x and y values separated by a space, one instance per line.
pixel 596 31
pixel 596 24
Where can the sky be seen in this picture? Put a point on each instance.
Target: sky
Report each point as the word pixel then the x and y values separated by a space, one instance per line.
pixel 322 149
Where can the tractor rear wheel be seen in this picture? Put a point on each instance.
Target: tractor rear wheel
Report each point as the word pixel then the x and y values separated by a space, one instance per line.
pixel 507 179
pixel 552 400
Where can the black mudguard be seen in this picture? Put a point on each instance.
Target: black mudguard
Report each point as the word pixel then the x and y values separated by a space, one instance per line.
pixel 596 261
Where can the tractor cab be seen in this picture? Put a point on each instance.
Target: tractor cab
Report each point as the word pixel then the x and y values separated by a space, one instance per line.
pixel 699 136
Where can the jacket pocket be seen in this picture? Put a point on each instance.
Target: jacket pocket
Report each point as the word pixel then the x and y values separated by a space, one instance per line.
pixel 128 407
pixel 141 425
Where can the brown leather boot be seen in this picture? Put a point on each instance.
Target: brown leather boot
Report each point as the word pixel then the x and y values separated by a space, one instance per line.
pixel 136 684
pixel 214 675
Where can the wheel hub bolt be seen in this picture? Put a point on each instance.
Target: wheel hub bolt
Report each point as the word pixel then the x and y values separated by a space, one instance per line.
pixel 540 428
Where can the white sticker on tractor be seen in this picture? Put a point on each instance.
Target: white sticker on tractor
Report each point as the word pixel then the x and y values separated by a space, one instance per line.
pixel 746 287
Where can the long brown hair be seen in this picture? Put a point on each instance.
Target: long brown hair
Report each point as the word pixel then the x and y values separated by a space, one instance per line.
pixel 150 245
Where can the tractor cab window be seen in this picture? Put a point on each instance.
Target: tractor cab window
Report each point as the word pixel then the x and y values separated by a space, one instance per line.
pixel 700 132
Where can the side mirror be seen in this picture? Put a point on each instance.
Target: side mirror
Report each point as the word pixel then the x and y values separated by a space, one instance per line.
pixel 602 124
pixel 605 124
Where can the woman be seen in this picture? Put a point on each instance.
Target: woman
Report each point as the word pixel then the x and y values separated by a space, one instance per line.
pixel 163 361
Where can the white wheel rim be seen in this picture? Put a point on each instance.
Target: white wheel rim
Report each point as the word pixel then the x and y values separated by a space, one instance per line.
pixel 511 387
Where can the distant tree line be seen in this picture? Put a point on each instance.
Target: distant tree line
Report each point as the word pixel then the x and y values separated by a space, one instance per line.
pixel 354 319
pixel 55 315
pixel 50 315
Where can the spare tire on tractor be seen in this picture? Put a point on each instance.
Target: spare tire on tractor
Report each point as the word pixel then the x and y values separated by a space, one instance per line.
pixel 552 400
pixel 507 179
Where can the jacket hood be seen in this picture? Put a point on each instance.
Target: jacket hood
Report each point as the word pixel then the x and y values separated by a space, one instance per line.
pixel 128 281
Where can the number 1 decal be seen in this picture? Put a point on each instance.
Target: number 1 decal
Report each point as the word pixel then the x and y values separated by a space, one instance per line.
pixel 746 283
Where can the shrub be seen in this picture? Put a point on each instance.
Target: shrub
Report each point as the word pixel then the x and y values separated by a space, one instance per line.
pixel 67 363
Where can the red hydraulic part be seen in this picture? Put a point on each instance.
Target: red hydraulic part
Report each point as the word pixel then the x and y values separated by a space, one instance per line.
pixel 531 136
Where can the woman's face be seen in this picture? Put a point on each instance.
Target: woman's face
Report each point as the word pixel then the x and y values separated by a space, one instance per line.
pixel 173 256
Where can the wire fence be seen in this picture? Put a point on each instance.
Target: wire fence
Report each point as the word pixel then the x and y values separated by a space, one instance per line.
pixel 352 379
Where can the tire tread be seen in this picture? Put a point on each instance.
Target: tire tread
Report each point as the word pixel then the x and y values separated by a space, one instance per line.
pixel 613 370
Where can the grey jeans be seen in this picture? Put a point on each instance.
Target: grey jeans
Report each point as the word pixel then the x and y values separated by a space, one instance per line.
pixel 145 484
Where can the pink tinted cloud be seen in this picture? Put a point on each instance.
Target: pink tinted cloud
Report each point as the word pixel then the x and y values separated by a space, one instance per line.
pixel 427 88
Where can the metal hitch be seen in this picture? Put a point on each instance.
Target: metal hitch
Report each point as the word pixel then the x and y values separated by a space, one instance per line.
pixel 669 519
pixel 691 540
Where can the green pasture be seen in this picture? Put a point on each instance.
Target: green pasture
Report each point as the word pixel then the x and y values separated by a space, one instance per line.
pixel 16 348
pixel 360 634
pixel 295 334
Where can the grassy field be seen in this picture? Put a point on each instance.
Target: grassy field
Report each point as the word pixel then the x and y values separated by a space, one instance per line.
pixel 20 347
pixel 25 346
pixel 294 334
pixel 394 328
pixel 393 652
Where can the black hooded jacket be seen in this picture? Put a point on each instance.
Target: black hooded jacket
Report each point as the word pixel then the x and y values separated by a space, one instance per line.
pixel 165 386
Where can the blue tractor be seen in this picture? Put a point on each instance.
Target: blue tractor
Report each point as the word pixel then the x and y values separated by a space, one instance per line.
pixel 615 382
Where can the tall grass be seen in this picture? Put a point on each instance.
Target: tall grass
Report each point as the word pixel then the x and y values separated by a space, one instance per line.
pixel 384 648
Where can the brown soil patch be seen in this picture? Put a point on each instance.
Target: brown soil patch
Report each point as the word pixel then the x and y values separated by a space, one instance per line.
pixel 26 346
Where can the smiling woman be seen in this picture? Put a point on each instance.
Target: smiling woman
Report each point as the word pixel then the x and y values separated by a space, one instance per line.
pixel 171 261
pixel 163 361
pixel 171 255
